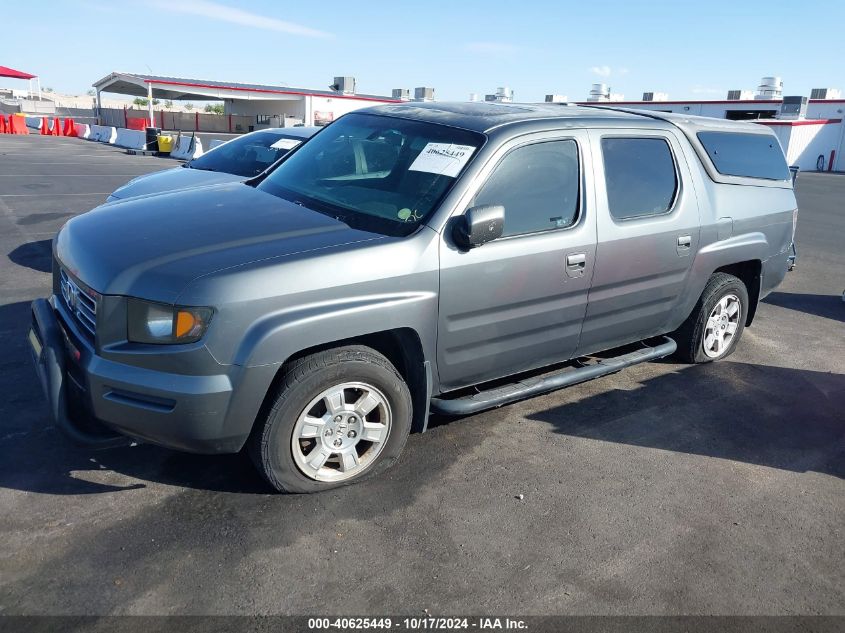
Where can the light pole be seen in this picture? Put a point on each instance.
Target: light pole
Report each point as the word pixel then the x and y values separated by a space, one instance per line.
pixel 150 103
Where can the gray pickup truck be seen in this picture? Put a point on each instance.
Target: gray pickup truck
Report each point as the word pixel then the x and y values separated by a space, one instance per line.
pixel 409 259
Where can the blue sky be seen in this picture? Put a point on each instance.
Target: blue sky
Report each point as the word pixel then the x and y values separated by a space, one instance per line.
pixel 690 50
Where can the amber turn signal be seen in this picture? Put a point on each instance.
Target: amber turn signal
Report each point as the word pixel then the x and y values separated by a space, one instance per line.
pixel 185 323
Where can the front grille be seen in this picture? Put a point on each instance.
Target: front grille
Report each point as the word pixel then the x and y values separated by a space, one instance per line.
pixel 80 301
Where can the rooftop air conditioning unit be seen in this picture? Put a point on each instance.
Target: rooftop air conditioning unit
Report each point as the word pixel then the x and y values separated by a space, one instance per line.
pixel 770 89
pixel 556 99
pixel 599 92
pixel 403 94
pixel 740 95
pixel 793 108
pixel 424 94
pixel 504 94
pixel 655 96
pixel 344 85
pixel 825 93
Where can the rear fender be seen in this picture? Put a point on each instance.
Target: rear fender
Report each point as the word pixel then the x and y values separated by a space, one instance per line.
pixel 740 248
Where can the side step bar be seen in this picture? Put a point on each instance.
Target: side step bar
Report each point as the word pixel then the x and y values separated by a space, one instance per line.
pixel 505 394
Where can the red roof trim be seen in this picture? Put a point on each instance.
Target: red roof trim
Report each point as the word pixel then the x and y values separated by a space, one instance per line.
pixel 717 102
pixel 802 122
pixel 268 91
pixel 5 71
pixel 657 103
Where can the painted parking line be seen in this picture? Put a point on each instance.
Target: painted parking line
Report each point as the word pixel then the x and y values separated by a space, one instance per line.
pixel 87 162
pixel 50 195
pixel 31 155
pixel 65 175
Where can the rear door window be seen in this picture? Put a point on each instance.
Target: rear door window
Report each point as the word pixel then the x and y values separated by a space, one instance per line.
pixel 640 176
pixel 748 155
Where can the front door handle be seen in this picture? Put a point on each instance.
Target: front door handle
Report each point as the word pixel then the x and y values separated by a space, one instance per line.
pixel 575 264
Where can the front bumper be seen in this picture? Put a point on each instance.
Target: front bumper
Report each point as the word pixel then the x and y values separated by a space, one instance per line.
pixel 91 398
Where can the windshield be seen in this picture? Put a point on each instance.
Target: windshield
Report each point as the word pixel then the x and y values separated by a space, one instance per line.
pixel 375 172
pixel 246 155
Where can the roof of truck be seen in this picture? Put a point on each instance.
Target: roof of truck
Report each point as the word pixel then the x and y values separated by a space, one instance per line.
pixel 485 117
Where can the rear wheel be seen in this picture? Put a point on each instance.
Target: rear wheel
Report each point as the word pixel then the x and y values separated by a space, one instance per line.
pixel 338 416
pixel 715 326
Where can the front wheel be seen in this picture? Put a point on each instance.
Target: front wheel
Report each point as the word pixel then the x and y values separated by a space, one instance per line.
pixel 339 416
pixel 715 326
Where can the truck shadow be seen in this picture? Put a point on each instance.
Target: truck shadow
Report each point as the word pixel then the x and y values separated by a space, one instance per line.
pixel 35 255
pixel 34 456
pixel 771 416
pixel 789 419
pixel 827 306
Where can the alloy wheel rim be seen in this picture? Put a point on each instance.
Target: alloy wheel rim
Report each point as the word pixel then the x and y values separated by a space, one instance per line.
pixel 721 326
pixel 341 432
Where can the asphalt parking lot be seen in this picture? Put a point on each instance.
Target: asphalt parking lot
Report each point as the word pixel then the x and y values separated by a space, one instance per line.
pixel 665 489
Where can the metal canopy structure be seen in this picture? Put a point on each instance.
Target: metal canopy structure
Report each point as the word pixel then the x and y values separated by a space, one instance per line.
pixel 178 88
pixel 11 73
pixel 5 71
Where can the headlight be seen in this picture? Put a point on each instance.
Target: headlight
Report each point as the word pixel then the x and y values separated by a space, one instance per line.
pixel 159 323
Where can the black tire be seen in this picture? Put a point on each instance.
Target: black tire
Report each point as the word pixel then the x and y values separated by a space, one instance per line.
pixel 690 336
pixel 303 380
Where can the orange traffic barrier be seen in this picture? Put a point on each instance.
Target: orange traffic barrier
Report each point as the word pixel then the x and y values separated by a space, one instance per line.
pixel 44 128
pixel 69 128
pixel 3 124
pixel 17 125
pixel 57 127
pixel 136 124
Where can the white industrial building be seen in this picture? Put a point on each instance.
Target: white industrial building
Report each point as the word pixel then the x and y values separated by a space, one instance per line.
pixel 810 129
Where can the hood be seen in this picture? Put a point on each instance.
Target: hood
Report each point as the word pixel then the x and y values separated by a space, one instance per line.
pixel 172 180
pixel 152 247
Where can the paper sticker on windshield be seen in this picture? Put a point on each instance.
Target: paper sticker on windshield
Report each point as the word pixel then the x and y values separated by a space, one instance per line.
pixel 446 159
pixel 285 143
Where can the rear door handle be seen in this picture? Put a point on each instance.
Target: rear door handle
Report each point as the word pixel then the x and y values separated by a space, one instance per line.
pixel 683 245
pixel 575 264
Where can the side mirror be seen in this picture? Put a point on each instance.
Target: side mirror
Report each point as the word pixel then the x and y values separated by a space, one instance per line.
pixel 793 169
pixel 479 225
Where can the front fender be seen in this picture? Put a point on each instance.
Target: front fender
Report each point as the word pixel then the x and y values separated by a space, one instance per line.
pixel 279 335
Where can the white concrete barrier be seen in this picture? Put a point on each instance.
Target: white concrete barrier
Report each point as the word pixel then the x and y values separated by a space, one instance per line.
pixel 187 148
pixel 83 130
pixel 33 122
pixel 103 134
pixel 130 139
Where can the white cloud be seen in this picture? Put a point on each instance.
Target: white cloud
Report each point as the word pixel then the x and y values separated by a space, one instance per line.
pixel 222 13
pixel 491 48
pixel 601 71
